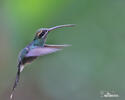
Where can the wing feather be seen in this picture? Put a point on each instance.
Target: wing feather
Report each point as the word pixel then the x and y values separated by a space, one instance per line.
pixel 47 49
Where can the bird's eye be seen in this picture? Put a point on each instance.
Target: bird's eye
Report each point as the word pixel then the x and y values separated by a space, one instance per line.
pixel 42 33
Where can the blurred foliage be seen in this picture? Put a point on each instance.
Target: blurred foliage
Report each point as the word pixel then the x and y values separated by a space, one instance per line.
pixel 94 63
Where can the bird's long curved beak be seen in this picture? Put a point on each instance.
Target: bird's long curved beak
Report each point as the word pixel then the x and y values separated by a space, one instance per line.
pixel 60 26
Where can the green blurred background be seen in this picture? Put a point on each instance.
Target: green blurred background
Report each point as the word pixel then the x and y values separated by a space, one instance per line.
pixel 94 63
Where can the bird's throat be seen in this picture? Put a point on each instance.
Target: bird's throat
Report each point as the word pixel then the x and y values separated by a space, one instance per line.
pixel 38 42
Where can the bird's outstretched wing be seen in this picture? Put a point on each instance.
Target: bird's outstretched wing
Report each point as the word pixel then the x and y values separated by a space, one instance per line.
pixel 47 49
pixel 57 46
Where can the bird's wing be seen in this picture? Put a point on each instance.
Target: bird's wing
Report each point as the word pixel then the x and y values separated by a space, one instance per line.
pixel 47 49
pixel 57 46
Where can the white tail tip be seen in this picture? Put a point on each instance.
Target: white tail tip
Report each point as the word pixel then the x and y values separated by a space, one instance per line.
pixel 11 96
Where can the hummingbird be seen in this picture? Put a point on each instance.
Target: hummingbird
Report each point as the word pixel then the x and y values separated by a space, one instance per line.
pixel 36 49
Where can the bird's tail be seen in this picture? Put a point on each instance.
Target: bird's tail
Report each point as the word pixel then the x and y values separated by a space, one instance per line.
pixel 16 81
